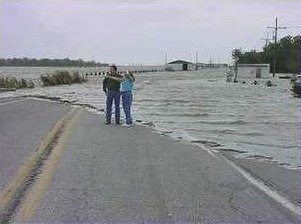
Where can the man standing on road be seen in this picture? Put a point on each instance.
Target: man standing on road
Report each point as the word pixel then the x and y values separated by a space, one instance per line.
pixel 111 88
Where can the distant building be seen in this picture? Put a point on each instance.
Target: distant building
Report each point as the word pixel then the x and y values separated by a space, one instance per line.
pixel 180 65
pixel 253 71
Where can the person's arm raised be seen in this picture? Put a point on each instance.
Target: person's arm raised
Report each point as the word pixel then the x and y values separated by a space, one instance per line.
pixel 115 78
pixel 130 77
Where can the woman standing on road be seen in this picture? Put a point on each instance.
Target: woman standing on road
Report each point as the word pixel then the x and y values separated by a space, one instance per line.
pixel 127 84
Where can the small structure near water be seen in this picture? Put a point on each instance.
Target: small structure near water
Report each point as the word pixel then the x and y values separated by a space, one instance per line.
pixel 253 71
pixel 180 65
pixel 250 73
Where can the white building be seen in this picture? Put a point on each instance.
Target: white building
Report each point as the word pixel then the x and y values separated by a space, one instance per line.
pixel 253 71
pixel 180 65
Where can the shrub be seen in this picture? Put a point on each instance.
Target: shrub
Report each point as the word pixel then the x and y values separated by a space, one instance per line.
pixel 61 78
pixel 13 83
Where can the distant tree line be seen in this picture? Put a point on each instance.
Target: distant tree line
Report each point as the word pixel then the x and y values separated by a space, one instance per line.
pixel 66 62
pixel 288 55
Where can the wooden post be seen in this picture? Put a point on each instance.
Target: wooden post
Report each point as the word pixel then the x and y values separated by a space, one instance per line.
pixel 235 72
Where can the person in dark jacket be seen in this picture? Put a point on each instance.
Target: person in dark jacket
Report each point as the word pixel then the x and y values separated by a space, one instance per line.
pixel 111 88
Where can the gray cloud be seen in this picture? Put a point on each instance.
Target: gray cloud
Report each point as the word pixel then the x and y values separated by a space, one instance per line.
pixel 135 31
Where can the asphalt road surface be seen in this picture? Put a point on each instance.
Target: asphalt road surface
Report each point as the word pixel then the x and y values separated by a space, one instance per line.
pixel 23 123
pixel 94 173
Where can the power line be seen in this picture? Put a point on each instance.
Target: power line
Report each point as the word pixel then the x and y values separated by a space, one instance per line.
pixel 293 27
pixel 276 28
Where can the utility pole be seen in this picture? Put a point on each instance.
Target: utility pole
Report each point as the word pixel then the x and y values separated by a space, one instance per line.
pixel 275 28
pixel 165 58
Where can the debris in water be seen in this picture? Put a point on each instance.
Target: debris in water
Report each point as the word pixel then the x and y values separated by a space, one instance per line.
pixel 206 143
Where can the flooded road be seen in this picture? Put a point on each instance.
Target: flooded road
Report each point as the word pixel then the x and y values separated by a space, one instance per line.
pixel 263 122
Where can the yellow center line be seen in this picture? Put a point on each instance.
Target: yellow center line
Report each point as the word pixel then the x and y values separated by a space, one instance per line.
pixel 10 196
pixel 36 193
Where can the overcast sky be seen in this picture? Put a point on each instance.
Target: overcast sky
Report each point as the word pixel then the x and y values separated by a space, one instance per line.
pixel 140 31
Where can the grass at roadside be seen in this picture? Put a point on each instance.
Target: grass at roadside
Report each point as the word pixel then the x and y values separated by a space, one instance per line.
pixel 61 78
pixel 14 83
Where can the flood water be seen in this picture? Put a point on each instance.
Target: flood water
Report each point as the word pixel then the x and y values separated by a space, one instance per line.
pixel 263 122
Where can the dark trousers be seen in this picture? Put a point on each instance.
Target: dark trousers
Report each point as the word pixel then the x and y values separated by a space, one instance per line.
pixel 113 96
pixel 127 98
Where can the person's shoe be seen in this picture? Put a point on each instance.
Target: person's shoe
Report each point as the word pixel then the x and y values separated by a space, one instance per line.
pixel 107 123
pixel 118 123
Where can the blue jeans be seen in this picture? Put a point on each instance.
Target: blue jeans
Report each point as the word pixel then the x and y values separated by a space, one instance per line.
pixel 113 96
pixel 127 99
